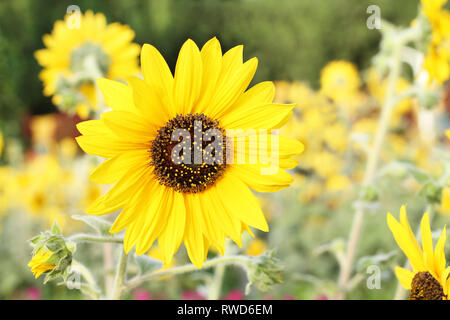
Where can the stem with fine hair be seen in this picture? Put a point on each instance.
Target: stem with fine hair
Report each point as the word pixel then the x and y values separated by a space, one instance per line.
pixel 373 158
pixel 120 276
pixel 80 268
pixel 82 237
pixel 216 282
pixel 236 260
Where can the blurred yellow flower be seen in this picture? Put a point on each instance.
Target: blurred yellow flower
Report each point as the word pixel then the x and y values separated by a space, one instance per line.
pixel 437 60
pixel 68 147
pixel 256 247
pixel 1 143
pixel 377 86
pixel 428 279
pixel 43 131
pixel 310 190
pixel 445 201
pixel 38 263
pixel 340 81
pixel 437 64
pixel 92 192
pixel 75 57
pixel 337 183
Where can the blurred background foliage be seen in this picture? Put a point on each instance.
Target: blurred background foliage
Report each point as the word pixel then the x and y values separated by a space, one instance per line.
pixel 293 39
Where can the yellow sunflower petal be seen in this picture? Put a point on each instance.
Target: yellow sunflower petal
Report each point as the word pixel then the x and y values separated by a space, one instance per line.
pixel 122 191
pixel 227 223
pixel 403 240
pixel 253 176
pixel 439 254
pixel 427 242
pixel 136 206
pixel 211 54
pixel 107 146
pixel 405 223
pixel 259 94
pixel 154 222
pixel 265 116
pixel 113 169
pixel 188 77
pixel 118 96
pixel 193 239
pixel 245 206
pixel 93 128
pixel 405 277
pixel 158 75
pixel 172 236
pixel 148 102
pixel 127 125
pixel 230 90
pixel 444 280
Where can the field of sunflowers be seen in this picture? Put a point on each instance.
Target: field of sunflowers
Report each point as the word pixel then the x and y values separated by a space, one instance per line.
pixel 234 150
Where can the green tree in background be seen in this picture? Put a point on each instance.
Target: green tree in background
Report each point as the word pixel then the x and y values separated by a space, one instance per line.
pixel 293 39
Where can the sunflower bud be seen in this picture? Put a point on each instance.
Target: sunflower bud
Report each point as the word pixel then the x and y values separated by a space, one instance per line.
pixel 369 194
pixel 264 271
pixel 431 192
pixel 428 100
pixel 51 254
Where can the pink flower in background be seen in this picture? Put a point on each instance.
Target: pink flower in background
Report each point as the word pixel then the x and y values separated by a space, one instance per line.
pixel 33 293
pixel 235 294
pixel 141 294
pixel 321 297
pixel 289 297
pixel 192 295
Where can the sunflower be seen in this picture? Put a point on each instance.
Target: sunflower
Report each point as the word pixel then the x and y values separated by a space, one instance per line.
pixel 428 279
pixel 437 60
pixel 340 81
pixel 1 143
pixel 75 57
pixel 198 203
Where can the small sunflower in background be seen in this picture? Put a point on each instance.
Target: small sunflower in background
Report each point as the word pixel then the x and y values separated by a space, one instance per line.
pixel 175 202
pixel 437 60
pixel 428 279
pixel 75 56
pixel 340 81
pixel 1 143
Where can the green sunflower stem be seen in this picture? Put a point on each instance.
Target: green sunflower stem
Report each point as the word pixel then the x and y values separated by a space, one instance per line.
pixel 80 268
pixel 93 238
pixel 217 280
pixel 120 277
pixel 216 285
pixel 242 261
pixel 400 39
pixel 90 288
pixel 400 292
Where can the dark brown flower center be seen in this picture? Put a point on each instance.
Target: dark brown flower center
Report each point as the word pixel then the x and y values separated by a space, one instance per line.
pixel 425 287
pixel 188 153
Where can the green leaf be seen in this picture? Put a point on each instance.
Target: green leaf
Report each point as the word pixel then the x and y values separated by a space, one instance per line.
pixel 377 259
pixel 71 246
pixel 56 229
pixel 402 169
pixel 100 225
pixel 431 192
